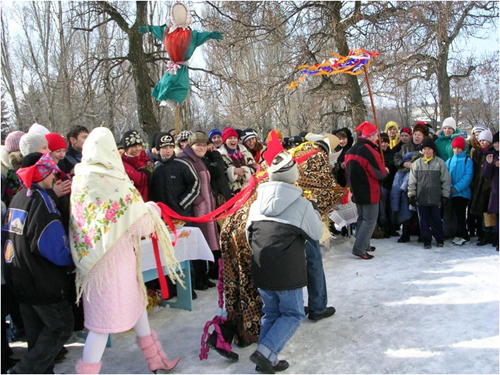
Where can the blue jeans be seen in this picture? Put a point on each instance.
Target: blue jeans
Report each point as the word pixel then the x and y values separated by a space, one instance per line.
pixel 316 281
pixel 283 311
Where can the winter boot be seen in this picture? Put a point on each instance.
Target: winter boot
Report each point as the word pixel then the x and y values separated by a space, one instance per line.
pixel 154 354
pixel 88 368
pixel 405 237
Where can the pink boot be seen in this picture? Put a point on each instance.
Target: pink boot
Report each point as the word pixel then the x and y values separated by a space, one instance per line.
pixel 154 354
pixel 88 368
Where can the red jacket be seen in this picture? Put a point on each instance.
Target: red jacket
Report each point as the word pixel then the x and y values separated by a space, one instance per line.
pixel 139 170
pixel 364 171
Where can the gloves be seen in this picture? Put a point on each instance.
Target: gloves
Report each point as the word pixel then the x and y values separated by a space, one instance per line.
pixel 454 191
pixel 217 35
pixel 413 200
pixel 143 29
pixel 444 201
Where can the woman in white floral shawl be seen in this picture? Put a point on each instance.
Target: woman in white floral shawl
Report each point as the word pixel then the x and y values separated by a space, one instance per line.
pixel 108 219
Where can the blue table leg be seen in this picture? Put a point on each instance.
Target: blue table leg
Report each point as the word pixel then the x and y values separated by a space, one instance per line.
pixel 184 296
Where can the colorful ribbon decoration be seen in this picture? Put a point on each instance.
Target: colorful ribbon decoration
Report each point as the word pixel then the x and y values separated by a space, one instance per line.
pixel 355 63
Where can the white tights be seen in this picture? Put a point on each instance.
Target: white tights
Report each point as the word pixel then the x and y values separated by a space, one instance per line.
pixel 96 342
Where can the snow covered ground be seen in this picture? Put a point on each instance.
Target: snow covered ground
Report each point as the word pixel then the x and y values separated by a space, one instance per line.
pixel 408 310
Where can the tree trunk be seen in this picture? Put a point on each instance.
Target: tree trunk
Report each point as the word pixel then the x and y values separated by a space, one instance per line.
pixel 140 72
pixel 443 81
pixel 355 98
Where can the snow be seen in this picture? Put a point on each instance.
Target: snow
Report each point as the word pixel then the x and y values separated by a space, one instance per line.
pixel 408 310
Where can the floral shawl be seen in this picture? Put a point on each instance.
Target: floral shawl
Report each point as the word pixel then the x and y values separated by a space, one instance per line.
pixel 104 205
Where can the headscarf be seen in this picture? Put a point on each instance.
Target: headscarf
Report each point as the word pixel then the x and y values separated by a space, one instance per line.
pixel 104 206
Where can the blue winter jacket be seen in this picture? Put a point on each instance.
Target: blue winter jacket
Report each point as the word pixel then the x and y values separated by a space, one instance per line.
pixel 461 169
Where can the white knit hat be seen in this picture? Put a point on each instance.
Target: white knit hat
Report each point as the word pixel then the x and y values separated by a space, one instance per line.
pixel 38 129
pixel 485 135
pixel 450 122
pixel 31 142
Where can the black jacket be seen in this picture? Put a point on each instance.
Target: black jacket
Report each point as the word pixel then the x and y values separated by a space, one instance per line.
pixel 36 249
pixel 176 184
pixel 218 179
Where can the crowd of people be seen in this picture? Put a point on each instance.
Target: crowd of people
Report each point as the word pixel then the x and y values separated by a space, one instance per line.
pixel 74 211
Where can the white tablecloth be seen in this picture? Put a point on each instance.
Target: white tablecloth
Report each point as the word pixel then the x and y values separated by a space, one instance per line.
pixel 190 245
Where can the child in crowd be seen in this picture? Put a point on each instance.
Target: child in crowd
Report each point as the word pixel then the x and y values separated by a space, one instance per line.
pixel 428 188
pixel 175 181
pixel 38 265
pixel 279 223
pixel 461 170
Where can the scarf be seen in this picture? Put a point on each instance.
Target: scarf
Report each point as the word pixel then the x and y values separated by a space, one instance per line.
pixel 104 206
pixel 394 142
pixel 427 161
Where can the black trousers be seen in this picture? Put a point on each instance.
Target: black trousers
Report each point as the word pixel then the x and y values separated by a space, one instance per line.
pixel 47 327
pixel 459 205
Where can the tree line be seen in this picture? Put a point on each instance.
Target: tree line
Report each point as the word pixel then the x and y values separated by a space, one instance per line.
pixel 77 62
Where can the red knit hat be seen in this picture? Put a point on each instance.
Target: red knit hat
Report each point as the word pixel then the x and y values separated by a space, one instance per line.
pixel 56 142
pixel 367 129
pixel 228 132
pixel 458 142
pixel 406 130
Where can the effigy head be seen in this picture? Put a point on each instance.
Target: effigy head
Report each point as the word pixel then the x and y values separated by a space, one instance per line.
pixel 179 16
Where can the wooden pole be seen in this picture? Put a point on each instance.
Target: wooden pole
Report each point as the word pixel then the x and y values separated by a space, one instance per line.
pixel 374 115
pixel 177 114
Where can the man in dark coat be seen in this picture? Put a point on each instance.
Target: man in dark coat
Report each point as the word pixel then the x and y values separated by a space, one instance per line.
pixel 365 170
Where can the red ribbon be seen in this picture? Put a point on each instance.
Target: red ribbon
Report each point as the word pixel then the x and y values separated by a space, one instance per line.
pixel 161 275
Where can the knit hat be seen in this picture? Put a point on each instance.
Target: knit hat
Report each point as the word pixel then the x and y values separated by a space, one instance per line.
pixel 213 132
pixel 479 128
pixel 56 142
pixel 284 169
pixel 458 142
pixel 164 139
pixel 228 132
pixel 184 136
pixel 495 138
pixel 485 136
pixel 406 130
pixel 421 128
pixel 278 133
pixel 198 137
pixel 35 168
pixel 248 134
pixel 31 142
pixel 428 142
pixel 384 137
pixel 367 129
pixel 450 122
pixel 391 124
pixel 38 129
pixel 131 138
pixel 12 141
pixel 239 132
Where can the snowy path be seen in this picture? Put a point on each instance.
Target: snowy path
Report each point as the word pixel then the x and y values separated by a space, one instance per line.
pixel 408 310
